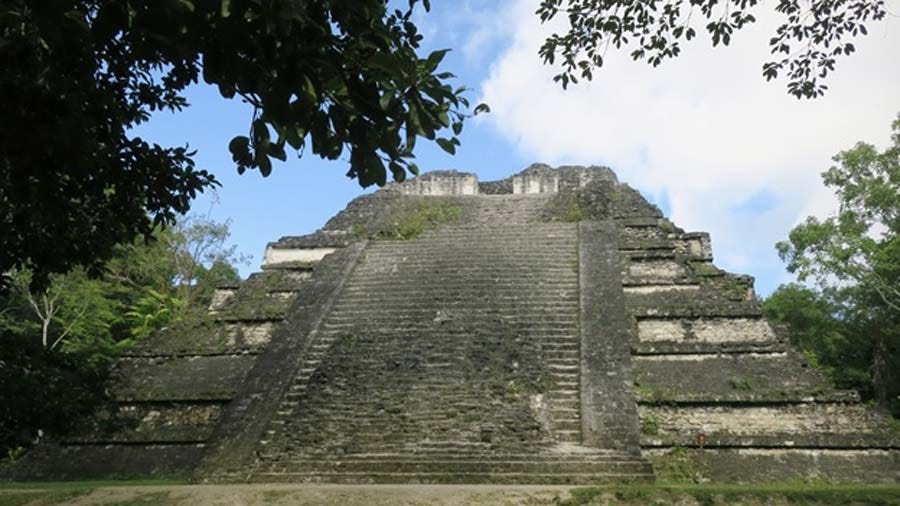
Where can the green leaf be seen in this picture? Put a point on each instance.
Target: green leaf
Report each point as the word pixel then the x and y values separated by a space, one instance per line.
pixel 397 171
pixel 265 165
pixel 482 108
pixel 414 123
pixel 385 101
pixel 444 118
pixel 295 136
pixel 309 90
pixel 435 59
pixel 277 151
pixel 446 145
pixel 376 170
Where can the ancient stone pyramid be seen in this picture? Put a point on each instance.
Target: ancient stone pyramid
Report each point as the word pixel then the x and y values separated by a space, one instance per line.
pixel 552 327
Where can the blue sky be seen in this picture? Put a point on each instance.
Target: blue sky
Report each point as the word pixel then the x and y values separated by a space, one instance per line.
pixel 705 137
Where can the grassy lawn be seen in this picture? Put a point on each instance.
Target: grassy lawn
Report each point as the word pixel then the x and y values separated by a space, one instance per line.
pixel 167 493
pixel 728 494
pixel 65 492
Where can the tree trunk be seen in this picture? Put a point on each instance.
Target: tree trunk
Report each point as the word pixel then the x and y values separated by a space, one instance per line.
pixel 45 332
pixel 879 371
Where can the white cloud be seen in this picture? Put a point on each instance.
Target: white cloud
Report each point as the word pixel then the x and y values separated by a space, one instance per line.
pixel 705 128
pixel 472 27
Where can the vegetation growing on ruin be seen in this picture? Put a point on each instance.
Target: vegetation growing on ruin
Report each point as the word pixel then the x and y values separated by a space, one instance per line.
pixel 647 393
pixel 649 424
pixel 704 269
pixel 573 212
pixel 359 231
pixel 741 383
pixel 678 465
pixel 667 226
pixel 564 207
pixel 425 215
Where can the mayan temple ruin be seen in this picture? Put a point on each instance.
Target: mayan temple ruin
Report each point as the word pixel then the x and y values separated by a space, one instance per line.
pixel 551 327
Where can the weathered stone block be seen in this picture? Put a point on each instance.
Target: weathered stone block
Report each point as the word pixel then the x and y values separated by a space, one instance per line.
pixel 439 183
pixel 761 465
pixel 743 377
pixel 150 423
pixel 180 378
pixel 705 330
pixel 817 425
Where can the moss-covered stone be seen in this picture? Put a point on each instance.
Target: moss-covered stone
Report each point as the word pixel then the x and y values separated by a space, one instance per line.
pixel 411 221
pixel 167 379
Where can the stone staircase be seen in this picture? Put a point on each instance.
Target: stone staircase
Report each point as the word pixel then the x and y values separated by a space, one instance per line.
pixel 452 357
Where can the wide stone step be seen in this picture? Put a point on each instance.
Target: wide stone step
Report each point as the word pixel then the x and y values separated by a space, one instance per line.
pixel 451 273
pixel 458 478
pixel 498 294
pixel 448 250
pixel 490 238
pixel 566 425
pixel 562 404
pixel 572 355
pixel 539 466
pixel 537 328
pixel 448 310
pixel 523 286
pixel 503 258
pixel 514 270
pixel 530 230
pixel 444 300
pixel 464 451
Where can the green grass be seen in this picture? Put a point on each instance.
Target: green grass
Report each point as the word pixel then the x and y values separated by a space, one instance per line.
pixel 777 494
pixel 79 485
pixel 150 499
pixel 726 494
pixel 40 497
pixel 62 492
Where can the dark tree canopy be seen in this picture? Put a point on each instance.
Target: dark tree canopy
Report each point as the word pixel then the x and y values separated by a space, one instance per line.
pixel 333 77
pixel 805 47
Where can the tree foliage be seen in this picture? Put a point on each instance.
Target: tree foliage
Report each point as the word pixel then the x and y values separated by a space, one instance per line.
pixel 805 47
pixel 826 334
pixel 853 258
pixel 860 245
pixel 56 342
pixel 42 391
pixel 335 77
